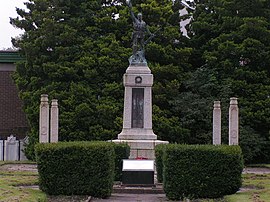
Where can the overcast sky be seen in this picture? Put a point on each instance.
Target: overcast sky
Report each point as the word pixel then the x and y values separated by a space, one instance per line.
pixel 8 9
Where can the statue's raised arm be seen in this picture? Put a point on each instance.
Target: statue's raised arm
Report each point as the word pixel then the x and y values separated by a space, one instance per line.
pixel 129 4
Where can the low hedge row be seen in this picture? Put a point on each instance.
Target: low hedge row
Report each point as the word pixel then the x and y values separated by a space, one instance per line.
pixel 76 168
pixel 201 171
pixel 122 151
pixel 159 151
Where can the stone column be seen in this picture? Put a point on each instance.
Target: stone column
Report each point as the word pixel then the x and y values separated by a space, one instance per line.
pixel 54 121
pixel 44 119
pixel 233 122
pixel 216 123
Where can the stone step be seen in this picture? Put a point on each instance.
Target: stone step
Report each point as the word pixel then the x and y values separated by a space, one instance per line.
pixel 157 189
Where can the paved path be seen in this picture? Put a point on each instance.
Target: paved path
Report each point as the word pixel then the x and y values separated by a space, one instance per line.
pixel 256 170
pixel 19 167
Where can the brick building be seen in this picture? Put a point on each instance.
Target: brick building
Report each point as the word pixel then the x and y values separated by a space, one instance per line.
pixel 12 118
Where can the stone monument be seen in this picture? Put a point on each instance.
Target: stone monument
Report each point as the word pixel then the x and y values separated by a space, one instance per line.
pixel 137 118
pixel 54 121
pixel 233 122
pixel 48 122
pixel 216 123
pixel 44 119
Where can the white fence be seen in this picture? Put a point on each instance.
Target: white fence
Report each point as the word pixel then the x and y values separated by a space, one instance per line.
pixel 12 149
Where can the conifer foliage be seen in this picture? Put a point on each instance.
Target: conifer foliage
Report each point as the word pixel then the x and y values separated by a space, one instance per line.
pixel 231 39
pixel 77 52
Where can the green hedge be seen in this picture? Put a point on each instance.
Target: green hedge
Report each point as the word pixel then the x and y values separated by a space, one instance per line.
pixel 122 151
pixel 201 171
pixel 76 168
pixel 159 161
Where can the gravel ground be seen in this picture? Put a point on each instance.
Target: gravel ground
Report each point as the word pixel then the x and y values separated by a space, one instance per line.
pixel 33 168
pixel 19 167
pixel 69 199
pixel 256 170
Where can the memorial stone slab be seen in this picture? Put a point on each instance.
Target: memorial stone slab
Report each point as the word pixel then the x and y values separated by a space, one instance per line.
pixel 1 150
pixel 11 149
pixel 138 172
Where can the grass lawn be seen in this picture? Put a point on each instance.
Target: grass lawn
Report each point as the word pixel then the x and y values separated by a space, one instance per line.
pixel 16 162
pixel 10 190
pixel 257 189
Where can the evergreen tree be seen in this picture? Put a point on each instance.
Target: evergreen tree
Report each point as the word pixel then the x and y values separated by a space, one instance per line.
pixel 77 51
pixel 231 40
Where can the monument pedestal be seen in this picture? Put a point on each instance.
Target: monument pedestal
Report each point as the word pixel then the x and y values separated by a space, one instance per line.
pixel 137 134
pixel 142 148
pixel 137 120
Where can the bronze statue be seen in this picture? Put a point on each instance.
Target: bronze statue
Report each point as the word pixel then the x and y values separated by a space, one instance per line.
pixel 138 35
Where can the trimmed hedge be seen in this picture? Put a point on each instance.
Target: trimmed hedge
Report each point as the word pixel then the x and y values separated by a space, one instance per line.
pixel 201 171
pixel 159 161
pixel 76 168
pixel 122 151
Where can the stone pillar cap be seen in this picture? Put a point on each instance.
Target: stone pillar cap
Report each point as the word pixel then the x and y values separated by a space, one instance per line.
pixel 233 101
pixel 216 103
pixel 44 98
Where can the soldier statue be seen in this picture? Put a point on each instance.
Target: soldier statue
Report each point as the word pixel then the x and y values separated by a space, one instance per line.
pixel 138 35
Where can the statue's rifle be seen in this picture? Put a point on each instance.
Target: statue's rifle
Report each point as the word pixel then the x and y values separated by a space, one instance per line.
pixel 151 37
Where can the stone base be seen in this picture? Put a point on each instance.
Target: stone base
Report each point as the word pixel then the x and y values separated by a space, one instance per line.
pixel 157 189
pixel 137 134
pixel 141 148
pixel 138 69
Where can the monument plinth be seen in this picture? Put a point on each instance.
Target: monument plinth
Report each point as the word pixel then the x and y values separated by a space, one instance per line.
pixel 137 118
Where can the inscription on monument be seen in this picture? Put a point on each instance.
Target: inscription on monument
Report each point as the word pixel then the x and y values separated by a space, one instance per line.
pixel 137 107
